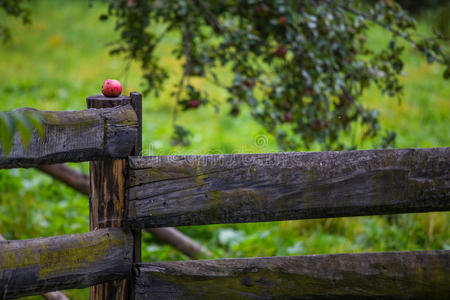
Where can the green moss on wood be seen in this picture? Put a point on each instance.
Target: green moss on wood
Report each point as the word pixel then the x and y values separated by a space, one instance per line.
pixel 55 259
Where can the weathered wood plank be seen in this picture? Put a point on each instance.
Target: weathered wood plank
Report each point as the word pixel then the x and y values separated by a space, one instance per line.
pixel 193 190
pixel 73 136
pixel 30 267
pixel 389 275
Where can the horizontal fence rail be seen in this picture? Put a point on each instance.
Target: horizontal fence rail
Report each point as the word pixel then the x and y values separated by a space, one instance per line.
pixel 210 189
pixel 390 275
pixel 30 267
pixel 74 136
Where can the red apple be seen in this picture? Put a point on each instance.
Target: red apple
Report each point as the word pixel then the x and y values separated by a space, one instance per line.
pixel 111 88
pixel 317 125
pixel 281 51
pixel 288 117
pixel 194 103
pixel 261 9
pixel 282 20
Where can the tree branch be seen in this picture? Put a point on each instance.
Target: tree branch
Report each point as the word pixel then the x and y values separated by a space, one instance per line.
pixel 406 37
pixel 211 18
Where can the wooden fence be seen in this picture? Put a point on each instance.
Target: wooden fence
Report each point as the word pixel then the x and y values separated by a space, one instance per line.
pixel 129 192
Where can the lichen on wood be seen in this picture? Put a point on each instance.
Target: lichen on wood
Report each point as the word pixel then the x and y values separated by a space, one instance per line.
pixel 30 267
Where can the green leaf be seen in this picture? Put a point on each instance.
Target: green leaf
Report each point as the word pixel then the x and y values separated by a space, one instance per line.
pixel 36 120
pixel 24 126
pixel 7 130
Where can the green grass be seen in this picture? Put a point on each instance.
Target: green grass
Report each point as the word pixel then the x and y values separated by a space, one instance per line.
pixel 61 58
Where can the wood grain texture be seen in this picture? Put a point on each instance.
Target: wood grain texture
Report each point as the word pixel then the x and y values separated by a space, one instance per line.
pixel 74 136
pixel 209 189
pixel 107 198
pixel 107 194
pixel 31 267
pixel 389 275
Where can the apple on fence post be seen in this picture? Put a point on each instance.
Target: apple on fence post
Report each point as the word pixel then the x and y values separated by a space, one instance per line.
pixel 111 88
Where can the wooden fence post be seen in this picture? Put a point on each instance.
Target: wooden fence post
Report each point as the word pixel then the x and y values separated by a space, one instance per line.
pixel 107 195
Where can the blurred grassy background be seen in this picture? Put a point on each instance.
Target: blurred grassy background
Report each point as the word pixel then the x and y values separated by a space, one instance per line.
pixel 59 60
